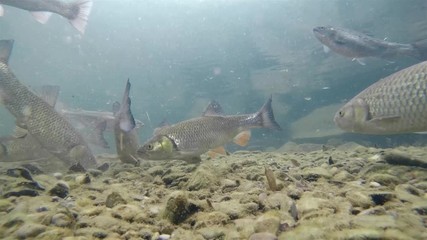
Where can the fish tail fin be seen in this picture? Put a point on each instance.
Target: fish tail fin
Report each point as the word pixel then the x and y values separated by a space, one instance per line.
pixel 420 49
pixel 266 117
pixel 6 47
pixel 81 11
pixel 41 17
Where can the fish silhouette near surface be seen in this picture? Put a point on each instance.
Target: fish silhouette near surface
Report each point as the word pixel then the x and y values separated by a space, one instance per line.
pixel 51 130
pixel 395 104
pixel 357 46
pixel 77 11
pixel 189 139
pixel 125 130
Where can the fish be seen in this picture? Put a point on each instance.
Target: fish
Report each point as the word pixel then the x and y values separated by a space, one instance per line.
pixel 357 46
pixel 91 124
pixel 125 130
pixel 51 130
pixel 77 12
pixel 187 140
pixel 13 149
pixel 395 104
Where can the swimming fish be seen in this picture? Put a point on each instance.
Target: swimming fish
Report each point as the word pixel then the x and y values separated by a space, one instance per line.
pixel 395 104
pixel 91 124
pixel 189 139
pixel 13 149
pixel 52 131
pixel 125 131
pixel 77 12
pixel 357 46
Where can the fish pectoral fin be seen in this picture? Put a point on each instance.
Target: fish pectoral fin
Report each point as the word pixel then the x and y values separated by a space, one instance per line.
pixel 49 93
pixel 214 152
pixel 361 61
pixel 1 11
pixel 41 17
pixel 242 138
pixel 20 132
pixel 384 119
pixel 326 49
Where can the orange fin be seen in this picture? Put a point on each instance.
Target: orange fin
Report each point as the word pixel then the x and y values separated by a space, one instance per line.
pixel 242 138
pixel 215 152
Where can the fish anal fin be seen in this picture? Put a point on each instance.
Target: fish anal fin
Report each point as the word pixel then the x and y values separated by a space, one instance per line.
pixel 361 61
pixel 242 139
pixel 326 49
pixel 41 17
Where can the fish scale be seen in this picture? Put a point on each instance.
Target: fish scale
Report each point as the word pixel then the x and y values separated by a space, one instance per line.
pixel 395 104
pixel 42 122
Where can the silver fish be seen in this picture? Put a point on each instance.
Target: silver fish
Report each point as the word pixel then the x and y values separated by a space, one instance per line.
pixel 77 12
pixel 356 45
pixel 52 131
pixel 189 139
pixel 395 104
pixel 125 131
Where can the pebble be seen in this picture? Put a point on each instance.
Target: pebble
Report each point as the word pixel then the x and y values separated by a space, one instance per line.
pixel 83 179
pixel 267 223
pixel 30 230
pixel 58 175
pixel 113 199
pixel 61 220
pixel 61 190
pixel 263 236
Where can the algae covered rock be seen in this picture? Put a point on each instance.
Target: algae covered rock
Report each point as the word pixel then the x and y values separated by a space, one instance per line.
pixel 178 207
pixel 114 199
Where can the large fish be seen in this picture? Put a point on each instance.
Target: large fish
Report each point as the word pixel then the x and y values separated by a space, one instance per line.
pixel 77 12
pixel 125 131
pixel 395 104
pixel 189 139
pixel 357 46
pixel 52 131
pixel 13 149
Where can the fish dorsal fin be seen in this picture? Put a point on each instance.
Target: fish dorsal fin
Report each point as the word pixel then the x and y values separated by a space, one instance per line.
pixel 116 107
pixel 49 93
pixel 242 138
pixel 41 17
pixel 5 50
pixel 20 132
pixel 213 109
pixel 163 124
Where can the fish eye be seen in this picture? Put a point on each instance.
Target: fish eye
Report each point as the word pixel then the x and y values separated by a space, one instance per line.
pixel 341 113
pixel 150 147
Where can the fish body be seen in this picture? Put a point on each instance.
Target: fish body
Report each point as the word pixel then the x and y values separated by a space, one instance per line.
pixel 395 104
pixel 52 131
pixel 189 139
pixel 77 12
pixel 14 149
pixel 356 45
pixel 125 131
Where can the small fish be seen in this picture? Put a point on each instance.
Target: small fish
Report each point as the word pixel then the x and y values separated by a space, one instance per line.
pixel 77 12
pixel 125 131
pixel 52 131
pixel 357 46
pixel 189 139
pixel 395 104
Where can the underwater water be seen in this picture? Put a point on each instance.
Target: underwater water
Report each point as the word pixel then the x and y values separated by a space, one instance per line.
pixel 181 54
